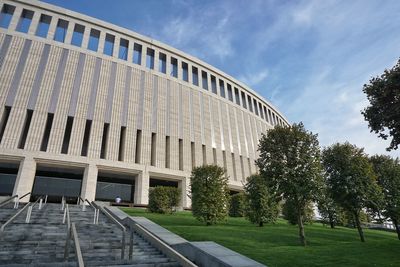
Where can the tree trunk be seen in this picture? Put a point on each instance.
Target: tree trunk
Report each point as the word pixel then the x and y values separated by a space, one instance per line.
pixel 396 224
pixel 301 228
pixel 331 221
pixel 358 224
pixel 261 224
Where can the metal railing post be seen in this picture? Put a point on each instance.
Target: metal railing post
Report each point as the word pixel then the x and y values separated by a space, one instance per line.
pixel 97 216
pixel 28 214
pixel 65 214
pixel 130 243
pixel 40 203
pixel 16 203
pixel 67 245
pixel 45 200
pixel 123 245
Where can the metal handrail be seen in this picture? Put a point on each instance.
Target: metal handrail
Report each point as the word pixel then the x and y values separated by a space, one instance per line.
pixel 25 195
pixel 123 228
pixel 14 217
pixel 72 234
pixel 28 214
pixel 96 212
pixel 8 200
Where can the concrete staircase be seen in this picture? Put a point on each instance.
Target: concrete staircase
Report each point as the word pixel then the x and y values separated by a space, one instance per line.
pixel 42 241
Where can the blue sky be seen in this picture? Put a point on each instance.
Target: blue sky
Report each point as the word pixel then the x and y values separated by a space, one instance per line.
pixel 309 58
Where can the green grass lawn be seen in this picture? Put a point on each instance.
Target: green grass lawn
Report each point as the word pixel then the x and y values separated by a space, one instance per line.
pixel 277 244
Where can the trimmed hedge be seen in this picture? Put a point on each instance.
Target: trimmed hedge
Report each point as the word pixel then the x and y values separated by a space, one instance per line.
pixel 163 199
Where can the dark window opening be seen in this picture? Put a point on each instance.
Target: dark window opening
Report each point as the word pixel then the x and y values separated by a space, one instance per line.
pixel 159 182
pixel 150 58
pixel 244 102
pixel 8 176
pixel 204 80
pixel 221 88
pixel 192 146
pixel 94 40
pixel 230 93
pixel 43 26
pixel 180 150
pixel 67 135
pixel 123 49
pixel 225 164
pixel 213 84
pixel 25 129
pixel 77 35
pixel 104 141
pixel 234 167
pixel 242 167
pixel 25 21
pixel 138 149
pixel 162 64
pixel 153 151
pixel 195 76
pixel 109 45
pixel 174 67
pixel 86 137
pixel 4 120
pixel 61 31
pixel 255 106
pixel 121 149
pixel 185 72
pixel 215 156
pixel 6 15
pixel 250 104
pixel 237 97
pixel 167 152
pixel 137 54
pixel 204 154
pixel 47 130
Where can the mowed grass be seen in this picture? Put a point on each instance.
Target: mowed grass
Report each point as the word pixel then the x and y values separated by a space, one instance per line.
pixel 277 244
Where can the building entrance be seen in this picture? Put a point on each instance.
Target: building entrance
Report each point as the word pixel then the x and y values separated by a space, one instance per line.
pixel 113 185
pixel 57 183
pixel 8 176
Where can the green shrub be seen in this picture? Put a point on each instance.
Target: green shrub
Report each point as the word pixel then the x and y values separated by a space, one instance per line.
pixel 210 194
pixel 237 205
pixel 163 199
pixel 261 206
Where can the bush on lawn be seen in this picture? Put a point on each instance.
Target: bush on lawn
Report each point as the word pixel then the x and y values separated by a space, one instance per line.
pixel 210 194
pixel 237 205
pixel 163 199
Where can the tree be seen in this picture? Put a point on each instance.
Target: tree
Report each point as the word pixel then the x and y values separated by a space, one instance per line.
pixel 237 205
pixel 163 199
pixel 327 208
pixel 388 173
pixel 351 179
pixel 290 162
pixel 210 194
pixel 290 213
pixel 261 206
pixel 383 114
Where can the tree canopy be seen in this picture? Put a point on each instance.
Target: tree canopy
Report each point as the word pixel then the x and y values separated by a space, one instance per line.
pixel 261 205
pixel 290 162
pixel 388 174
pixel 351 180
pixel 210 194
pixel 383 114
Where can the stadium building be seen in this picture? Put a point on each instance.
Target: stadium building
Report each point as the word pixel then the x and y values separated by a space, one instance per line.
pixel 94 110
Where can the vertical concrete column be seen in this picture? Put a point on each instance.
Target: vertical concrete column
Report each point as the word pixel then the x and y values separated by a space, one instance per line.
pixel 142 183
pixel 209 81
pixel 144 55
pixel 34 23
pixel 130 51
pixel 116 46
pixel 86 36
pixel 156 59
pixel 89 182
pixel 25 178
pixel 102 40
pixel 200 77
pixel 190 73
pixel 184 186
pixel 168 64
pixel 180 70
pixel 70 31
pixel 52 28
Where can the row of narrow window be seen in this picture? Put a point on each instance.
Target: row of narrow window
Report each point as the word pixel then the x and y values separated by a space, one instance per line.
pixel 105 138
pixel 94 37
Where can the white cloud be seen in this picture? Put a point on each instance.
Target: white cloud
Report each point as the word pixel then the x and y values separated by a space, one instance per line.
pixel 253 79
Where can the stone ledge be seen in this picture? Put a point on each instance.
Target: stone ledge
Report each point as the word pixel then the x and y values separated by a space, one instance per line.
pixel 204 254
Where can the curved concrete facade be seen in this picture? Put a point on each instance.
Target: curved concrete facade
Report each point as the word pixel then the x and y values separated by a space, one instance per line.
pixel 82 95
